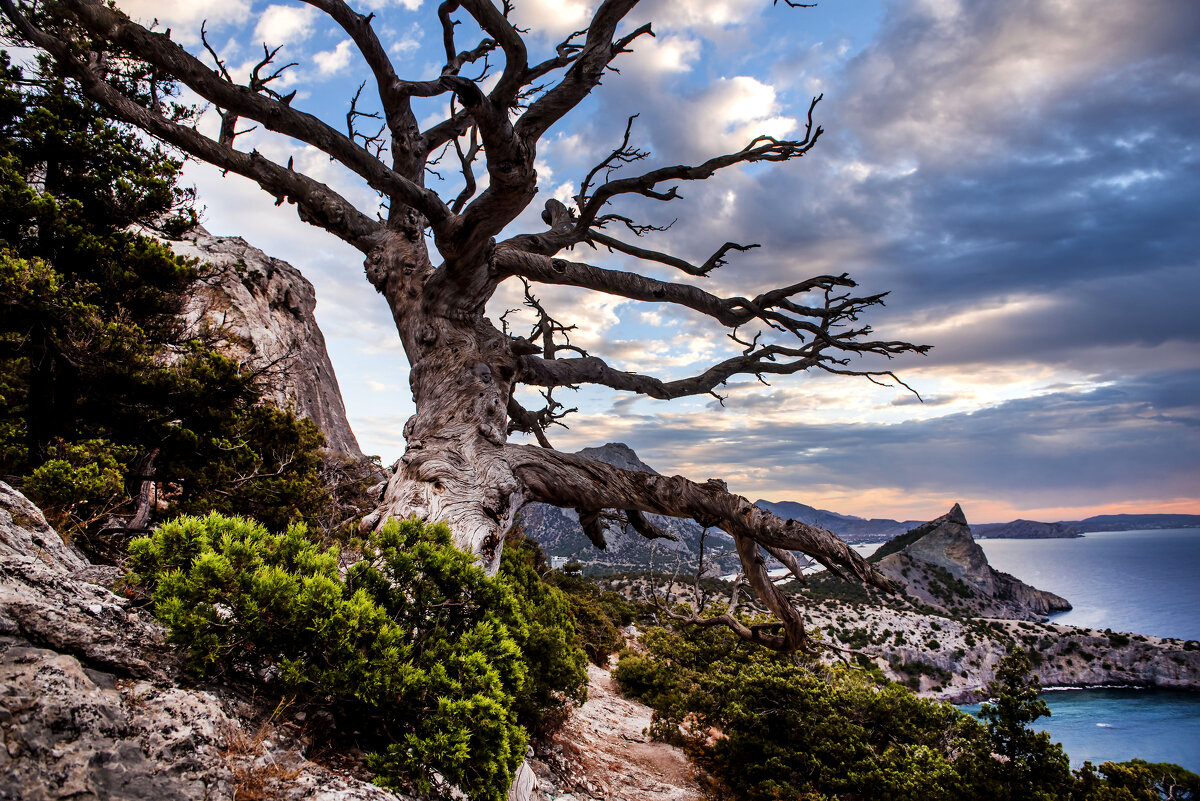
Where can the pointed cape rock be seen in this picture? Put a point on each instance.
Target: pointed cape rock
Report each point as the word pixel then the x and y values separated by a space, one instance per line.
pixel 941 565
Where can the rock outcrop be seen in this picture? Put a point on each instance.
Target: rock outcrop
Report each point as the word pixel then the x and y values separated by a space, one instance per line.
pixel 94 707
pixel 941 565
pixel 267 306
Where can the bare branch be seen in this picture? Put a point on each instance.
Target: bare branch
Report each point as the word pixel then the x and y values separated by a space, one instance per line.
pixel 585 72
pixel 574 481
pixel 391 89
pixel 496 25
pixel 761 148
pixel 821 331
pixel 272 113
pixel 713 262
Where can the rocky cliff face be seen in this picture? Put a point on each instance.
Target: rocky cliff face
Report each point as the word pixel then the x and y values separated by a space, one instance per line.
pixel 941 565
pixel 94 706
pixel 267 306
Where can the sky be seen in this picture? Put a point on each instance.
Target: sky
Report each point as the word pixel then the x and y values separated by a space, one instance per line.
pixel 1023 177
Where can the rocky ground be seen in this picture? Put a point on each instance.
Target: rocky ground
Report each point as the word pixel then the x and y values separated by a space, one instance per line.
pixel 93 705
pixel 605 752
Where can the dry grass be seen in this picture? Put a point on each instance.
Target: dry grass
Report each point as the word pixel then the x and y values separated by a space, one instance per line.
pixel 256 774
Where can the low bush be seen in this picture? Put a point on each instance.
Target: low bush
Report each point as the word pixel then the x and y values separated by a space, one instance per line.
pixel 436 662
pixel 763 726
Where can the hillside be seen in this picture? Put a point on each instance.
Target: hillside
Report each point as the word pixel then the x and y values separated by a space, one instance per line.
pixel 559 533
pixel 1026 530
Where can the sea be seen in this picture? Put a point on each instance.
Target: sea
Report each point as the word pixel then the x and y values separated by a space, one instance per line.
pixel 1143 582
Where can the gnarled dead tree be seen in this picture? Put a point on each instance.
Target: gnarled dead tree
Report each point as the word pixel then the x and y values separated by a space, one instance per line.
pixel 459 466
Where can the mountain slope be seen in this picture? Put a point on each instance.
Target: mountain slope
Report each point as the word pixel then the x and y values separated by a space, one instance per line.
pixel 559 533
pixel 940 564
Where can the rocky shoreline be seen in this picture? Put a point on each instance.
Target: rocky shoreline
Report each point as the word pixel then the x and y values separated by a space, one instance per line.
pixel 955 617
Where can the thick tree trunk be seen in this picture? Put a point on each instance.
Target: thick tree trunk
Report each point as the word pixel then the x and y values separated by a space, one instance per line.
pixel 454 469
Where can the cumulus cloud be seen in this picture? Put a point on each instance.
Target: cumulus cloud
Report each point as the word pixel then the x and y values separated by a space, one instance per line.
pixel 285 25
pixel 379 5
pixel 184 17
pixel 331 62
pixel 554 19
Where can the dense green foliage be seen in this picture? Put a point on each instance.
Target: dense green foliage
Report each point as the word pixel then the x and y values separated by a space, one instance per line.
pixel 598 615
pixel 101 385
pixel 441 664
pixel 1032 767
pixel 1136 780
pixel 765 726
pixel 549 641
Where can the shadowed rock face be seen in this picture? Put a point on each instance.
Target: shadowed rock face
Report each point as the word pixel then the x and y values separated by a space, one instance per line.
pixel 94 704
pixel 267 305
pixel 941 564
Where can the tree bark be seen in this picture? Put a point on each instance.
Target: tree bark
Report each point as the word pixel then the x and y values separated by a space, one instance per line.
pixel 454 469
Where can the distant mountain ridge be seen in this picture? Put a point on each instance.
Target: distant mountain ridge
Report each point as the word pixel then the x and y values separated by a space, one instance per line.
pixel 859 529
pixel 1136 522
pixel 559 533
pixel 850 528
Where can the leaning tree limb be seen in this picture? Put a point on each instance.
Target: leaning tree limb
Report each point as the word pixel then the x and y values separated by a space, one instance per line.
pixel 576 482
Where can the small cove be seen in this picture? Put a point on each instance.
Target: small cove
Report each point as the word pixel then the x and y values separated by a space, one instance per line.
pixel 1145 582
pixel 1118 725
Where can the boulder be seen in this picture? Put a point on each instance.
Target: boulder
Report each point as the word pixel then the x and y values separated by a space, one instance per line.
pixel 94 705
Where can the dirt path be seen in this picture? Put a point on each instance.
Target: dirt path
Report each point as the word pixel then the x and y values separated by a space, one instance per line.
pixel 605 752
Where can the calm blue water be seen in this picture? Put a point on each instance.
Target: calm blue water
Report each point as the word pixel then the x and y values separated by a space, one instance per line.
pixel 1147 582
pixel 1117 725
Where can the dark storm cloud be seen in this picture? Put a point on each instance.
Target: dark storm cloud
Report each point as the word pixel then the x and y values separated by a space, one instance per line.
pixel 1014 151
pixel 1136 439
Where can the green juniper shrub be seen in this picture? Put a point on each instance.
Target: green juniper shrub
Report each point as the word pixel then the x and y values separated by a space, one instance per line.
pixel 597 616
pixel 81 482
pixel 557 665
pixel 416 644
pixel 764 726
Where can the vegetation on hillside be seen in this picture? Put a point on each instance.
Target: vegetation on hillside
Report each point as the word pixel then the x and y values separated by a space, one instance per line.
pixel 442 667
pixel 763 725
pixel 102 388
